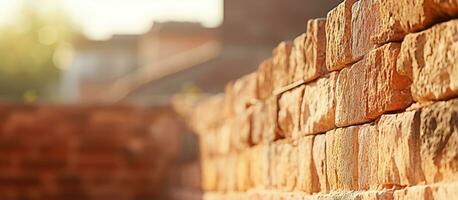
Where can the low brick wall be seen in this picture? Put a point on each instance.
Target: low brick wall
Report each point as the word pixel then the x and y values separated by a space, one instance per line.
pixel 86 152
pixel 361 106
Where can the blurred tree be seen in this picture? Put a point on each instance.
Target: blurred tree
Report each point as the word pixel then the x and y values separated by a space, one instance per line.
pixel 27 51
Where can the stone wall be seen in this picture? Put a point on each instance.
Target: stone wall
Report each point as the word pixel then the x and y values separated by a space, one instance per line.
pixel 87 152
pixel 363 105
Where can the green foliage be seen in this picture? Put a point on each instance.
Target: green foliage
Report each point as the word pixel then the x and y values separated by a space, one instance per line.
pixel 27 49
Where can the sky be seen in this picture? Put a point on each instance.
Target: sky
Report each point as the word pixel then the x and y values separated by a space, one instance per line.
pixel 99 19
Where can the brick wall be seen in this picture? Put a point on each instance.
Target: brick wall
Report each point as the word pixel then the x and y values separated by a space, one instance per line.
pixel 363 105
pixel 86 152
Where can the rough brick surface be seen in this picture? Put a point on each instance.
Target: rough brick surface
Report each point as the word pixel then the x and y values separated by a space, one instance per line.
pixel 371 87
pixel 319 161
pixel 284 165
pixel 399 150
pixel 318 106
pixel 338 36
pixel 400 17
pixel 240 95
pixel 243 171
pixel 259 166
pixel 368 157
pixel 342 158
pixel 289 105
pixel 265 128
pixel 364 25
pixel 429 58
pixel 439 141
pixel 297 59
pixel 242 123
pixel 307 176
pixel 349 110
pixel 280 65
pixel 265 79
pixel 308 57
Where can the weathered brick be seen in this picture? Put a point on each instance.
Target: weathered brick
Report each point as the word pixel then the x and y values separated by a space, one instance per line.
pixel 342 158
pixel 422 192
pixel 371 87
pixel 283 162
pixel 429 58
pixel 318 105
pixel 280 62
pixel 243 171
pixel 208 115
pixel 308 58
pixel 364 25
pixel 222 141
pixel 307 174
pixel 265 79
pixel 240 94
pixel 400 17
pixel 367 157
pixel 241 130
pixel 297 59
pixel 228 169
pixel 319 160
pixel 399 149
pixel 338 36
pixel 209 174
pixel 289 111
pixel 259 165
pixel 315 49
pixel 264 124
pixel 445 190
pixel 439 141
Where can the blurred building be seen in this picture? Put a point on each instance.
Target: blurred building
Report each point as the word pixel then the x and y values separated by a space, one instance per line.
pixel 249 31
pixel 123 60
pixel 180 56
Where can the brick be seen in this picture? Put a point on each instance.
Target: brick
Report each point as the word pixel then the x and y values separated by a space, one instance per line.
pixel 422 192
pixel 280 62
pixel 222 142
pixel 429 58
pixel 375 195
pixel 223 172
pixel 400 17
pixel 240 94
pixel 229 170
pixel 259 165
pixel 399 150
pixel 319 160
pixel 264 124
pixel 342 158
pixel 289 111
pixel 283 162
pixel 371 87
pixel 318 105
pixel 367 157
pixel 307 174
pixel 208 114
pixel 241 130
pixel 265 79
pixel 315 49
pixel 308 57
pixel 243 171
pixel 365 24
pixel 445 190
pixel 338 36
pixel 297 59
pixel 207 144
pixel 439 141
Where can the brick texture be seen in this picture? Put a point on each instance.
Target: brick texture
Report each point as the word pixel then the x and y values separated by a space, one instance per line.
pixel 361 105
